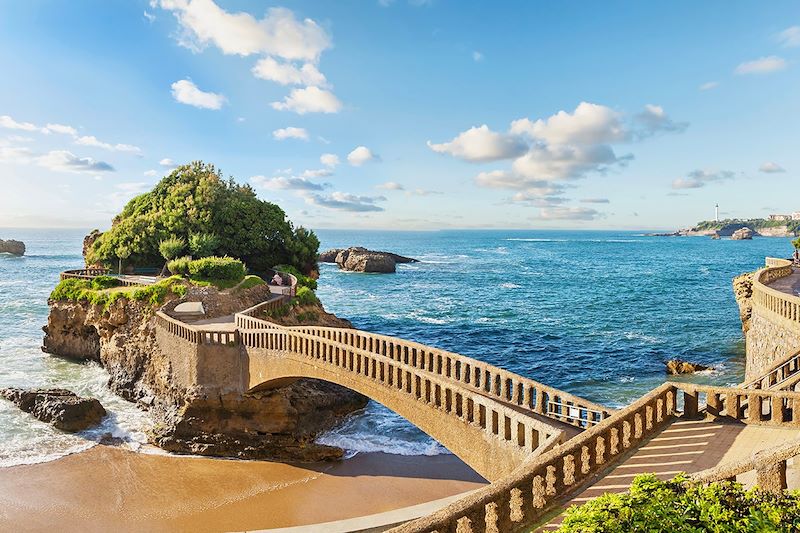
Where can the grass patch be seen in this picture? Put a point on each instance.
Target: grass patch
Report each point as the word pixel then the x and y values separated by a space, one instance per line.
pixel 249 282
pixel 106 290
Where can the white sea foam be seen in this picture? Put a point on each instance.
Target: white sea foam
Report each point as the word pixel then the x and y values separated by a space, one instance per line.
pixel 510 286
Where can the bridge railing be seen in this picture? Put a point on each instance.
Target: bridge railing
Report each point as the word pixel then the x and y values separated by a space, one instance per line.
pixel 781 376
pixel 508 426
pixel 470 373
pixel 84 273
pixel 523 498
pixel 750 406
pixel 194 334
pixel 777 303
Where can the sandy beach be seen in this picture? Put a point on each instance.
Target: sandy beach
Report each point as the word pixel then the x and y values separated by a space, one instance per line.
pixel 107 488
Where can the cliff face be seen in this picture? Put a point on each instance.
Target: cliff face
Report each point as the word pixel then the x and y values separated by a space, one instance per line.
pixel 743 291
pixel 275 424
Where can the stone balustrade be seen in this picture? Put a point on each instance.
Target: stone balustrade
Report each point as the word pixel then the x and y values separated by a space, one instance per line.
pixel 751 406
pixel 782 376
pixel 84 273
pixel 522 499
pixel 194 334
pixel 475 375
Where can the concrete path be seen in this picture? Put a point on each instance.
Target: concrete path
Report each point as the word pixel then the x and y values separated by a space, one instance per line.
pixel 789 284
pixel 221 323
pixel 688 446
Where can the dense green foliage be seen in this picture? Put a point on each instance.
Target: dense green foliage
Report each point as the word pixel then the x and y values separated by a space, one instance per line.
pixel 226 268
pixel 302 279
pixel 203 244
pixel 752 223
pixel 95 291
pixel 180 265
pixel 195 200
pixel 796 243
pixel 306 296
pixel 171 248
pixel 677 506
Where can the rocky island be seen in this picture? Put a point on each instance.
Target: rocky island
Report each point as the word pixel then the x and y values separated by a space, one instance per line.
pixel 12 247
pixel 358 259
pixel 757 227
pixel 100 320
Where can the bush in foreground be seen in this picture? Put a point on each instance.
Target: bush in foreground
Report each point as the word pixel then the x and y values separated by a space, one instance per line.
pixel 679 506
pixel 220 268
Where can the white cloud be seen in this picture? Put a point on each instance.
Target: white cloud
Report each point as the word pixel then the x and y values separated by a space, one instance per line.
pixel 700 178
pixel 317 173
pixel 290 133
pixel 288 74
pixel 762 65
pixel 479 144
pixel 770 167
pixel 564 162
pixel 279 33
pixel 149 16
pixel 91 140
pixel 477 56
pixel 391 186
pixel 125 192
pixel 423 192
pixel 186 92
pixel 60 128
pixel 707 86
pixel 167 163
pixel 655 120
pixel 568 213
pixel 588 124
pixel 309 100
pixel 150 173
pixel 329 160
pixel 11 124
pixel 790 37
pixel 62 160
pixel 286 183
pixel 595 201
pixel 360 155
pixel 341 201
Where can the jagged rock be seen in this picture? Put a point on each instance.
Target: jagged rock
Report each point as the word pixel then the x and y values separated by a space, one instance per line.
pixel 742 234
pixel 358 259
pixel 677 366
pixel 715 237
pixel 743 292
pixel 62 408
pixel 88 242
pixel 12 247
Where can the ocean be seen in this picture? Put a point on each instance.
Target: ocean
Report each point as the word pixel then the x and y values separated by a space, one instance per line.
pixel 595 313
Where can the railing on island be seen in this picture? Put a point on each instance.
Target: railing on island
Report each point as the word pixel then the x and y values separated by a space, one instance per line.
pixel 779 304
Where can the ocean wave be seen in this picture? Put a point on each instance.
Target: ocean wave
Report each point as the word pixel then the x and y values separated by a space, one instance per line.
pixel 510 286
pixel 520 239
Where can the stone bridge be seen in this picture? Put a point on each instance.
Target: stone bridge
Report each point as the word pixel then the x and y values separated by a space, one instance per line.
pixel 540 447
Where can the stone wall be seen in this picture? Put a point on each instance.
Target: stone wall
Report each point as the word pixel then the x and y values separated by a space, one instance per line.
pixel 769 339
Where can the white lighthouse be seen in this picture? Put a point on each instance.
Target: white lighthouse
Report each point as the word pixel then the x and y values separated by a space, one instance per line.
pixel 716 213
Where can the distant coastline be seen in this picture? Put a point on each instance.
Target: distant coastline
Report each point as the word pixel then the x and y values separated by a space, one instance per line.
pixel 761 227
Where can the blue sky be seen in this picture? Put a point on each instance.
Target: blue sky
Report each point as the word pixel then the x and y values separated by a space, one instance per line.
pixel 406 114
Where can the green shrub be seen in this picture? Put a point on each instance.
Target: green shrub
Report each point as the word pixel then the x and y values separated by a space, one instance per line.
pixel 171 248
pixel 306 296
pixel 302 280
pixel 156 293
pixel 180 266
pixel 249 282
pixel 678 506
pixel 796 243
pixel 222 268
pixel 203 244
pixel 69 289
pixel 104 282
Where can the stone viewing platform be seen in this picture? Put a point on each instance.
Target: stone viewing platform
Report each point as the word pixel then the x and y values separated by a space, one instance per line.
pixel 541 448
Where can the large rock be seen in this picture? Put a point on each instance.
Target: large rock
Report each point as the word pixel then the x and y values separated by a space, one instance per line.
pixel 742 234
pixel 358 259
pixel 743 292
pixel 62 408
pixel 12 247
pixel 677 366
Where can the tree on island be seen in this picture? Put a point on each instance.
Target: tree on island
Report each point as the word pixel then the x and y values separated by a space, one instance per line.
pixel 214 215
pixel 170 249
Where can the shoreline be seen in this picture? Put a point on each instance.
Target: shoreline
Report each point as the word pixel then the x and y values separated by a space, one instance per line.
pixel 106 488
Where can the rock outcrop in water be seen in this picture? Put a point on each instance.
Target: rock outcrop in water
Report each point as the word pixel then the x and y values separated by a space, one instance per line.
pixel 12 247
pixel 678 366
pixel 278 424
pixel 62 408
pixel 358 259
pixel 742 234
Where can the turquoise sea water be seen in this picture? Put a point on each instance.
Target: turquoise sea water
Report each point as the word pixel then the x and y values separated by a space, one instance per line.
pixel 594 313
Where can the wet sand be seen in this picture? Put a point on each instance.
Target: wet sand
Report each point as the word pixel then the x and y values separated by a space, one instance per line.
pixel 110 489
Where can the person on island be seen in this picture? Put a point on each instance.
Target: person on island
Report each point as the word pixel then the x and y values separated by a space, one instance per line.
pixel 797 256
pixel 277 279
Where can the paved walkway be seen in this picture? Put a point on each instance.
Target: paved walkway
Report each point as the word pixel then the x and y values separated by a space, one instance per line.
pixel 221 323
pixel 789 284
pixel 689 446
